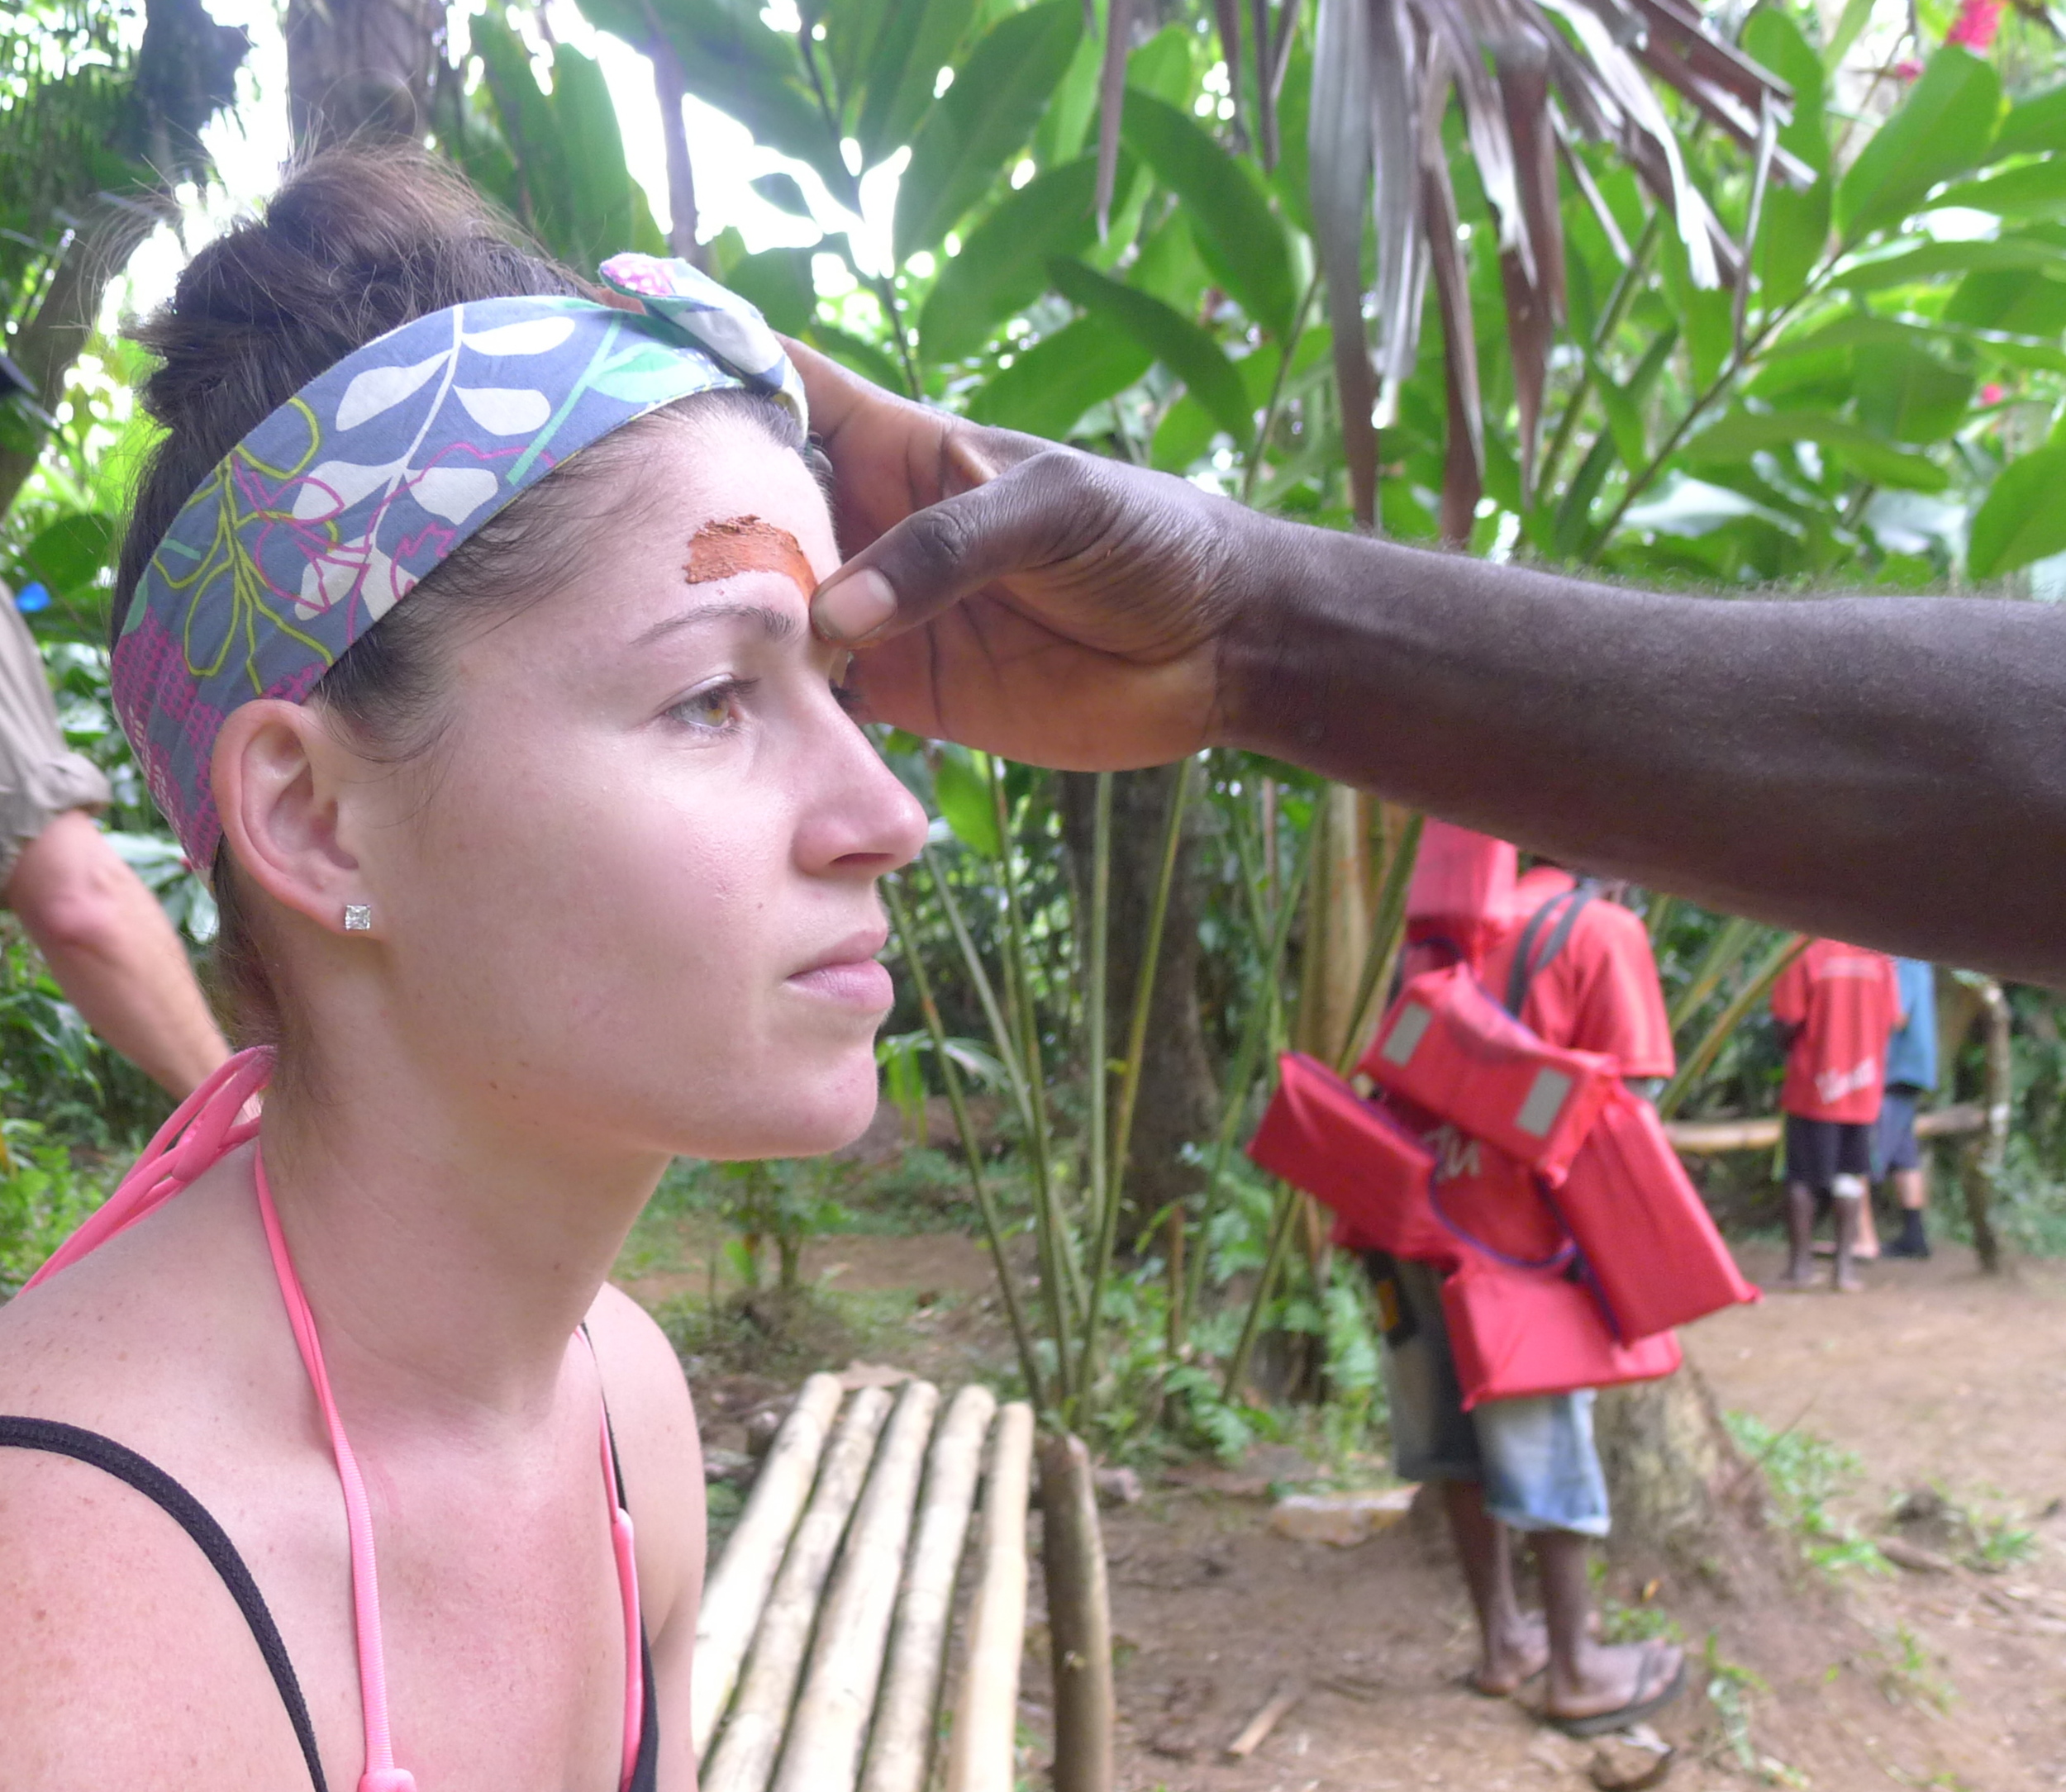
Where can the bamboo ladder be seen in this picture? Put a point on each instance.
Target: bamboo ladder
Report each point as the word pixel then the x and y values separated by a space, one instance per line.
pixel 822 1645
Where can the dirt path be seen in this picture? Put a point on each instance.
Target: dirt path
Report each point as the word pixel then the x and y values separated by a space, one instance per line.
pixel 1935 1379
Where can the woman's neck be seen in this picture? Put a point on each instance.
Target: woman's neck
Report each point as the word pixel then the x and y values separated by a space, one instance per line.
pixel 448 1247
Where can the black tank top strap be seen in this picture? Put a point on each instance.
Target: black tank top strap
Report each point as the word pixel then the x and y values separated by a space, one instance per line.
pixel 156 1485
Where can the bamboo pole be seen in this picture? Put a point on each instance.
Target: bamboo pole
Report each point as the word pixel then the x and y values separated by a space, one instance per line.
pixel 979 1753
pixel 1288 1202
pixel 743 1754
pixel 1699 1139
pixel 971 1146
pixel 737 1589
pixel 900 1746
pixel 1078 1616
pixel 1383 950
pixel 822 1751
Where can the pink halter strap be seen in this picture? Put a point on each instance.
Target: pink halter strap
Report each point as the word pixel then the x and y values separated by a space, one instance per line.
pixel 204 1129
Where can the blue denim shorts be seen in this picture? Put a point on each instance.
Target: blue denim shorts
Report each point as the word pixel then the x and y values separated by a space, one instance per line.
pixel 1536 1458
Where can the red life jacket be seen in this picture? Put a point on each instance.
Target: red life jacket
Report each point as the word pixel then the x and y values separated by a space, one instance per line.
pixel 1546 1288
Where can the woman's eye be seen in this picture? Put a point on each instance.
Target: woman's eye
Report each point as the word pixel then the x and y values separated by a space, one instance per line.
pixel 713 708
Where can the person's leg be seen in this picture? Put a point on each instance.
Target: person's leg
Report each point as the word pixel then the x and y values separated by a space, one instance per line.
pixel 1433 1440
pixel 1512 1648
pixel 1542 1476
pixel 1847 1198
pixel 1912 1191
pixel 1800 1232
pixel 113 953
pixel 1865 1246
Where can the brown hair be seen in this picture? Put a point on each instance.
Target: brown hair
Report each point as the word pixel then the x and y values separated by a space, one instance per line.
pixel 358 241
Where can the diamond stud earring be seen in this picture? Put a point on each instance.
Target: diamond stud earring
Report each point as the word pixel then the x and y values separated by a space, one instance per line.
pixel 358 918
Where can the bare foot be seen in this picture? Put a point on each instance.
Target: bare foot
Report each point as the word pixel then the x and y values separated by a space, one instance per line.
pixel 1797 1281
pixel 1847 1283
pixel 1609 1686
pixel 1511 1663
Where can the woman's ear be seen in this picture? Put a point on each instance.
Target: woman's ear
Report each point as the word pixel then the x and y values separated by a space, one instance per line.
pixel 280 778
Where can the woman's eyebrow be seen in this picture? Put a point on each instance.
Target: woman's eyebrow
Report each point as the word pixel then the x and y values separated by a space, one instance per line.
pixel 775 624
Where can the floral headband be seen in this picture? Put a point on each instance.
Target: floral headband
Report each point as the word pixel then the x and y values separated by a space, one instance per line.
pixel 330 512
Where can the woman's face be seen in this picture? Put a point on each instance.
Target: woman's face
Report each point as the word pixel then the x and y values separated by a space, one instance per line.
pixel 630 896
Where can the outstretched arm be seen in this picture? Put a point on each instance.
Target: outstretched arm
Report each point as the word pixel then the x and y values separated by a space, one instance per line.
pixel 1778 759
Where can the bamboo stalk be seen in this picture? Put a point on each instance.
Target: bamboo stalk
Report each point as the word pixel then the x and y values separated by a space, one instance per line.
pixel 822 1751
pixel 1078 1616
pixel 1698 1138
pixel 971 1146
pixel 737 1589
pixel 1254 1035
pixel 1000 1033
pixel 1659 919
pixel 1288 1200
pixel 900 1745
pixel 1784 950
pixel 1098 1079
pixel 1129 1079
pixel 979 1753
pixel 1731 941
pixel 1058 1288
pixel 743 1754
pixel 1385 930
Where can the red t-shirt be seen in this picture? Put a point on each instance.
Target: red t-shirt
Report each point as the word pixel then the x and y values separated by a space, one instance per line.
pixel 1600 993
pixel 1845 1000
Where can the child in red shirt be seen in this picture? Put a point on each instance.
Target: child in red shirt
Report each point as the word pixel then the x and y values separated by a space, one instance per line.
pixel 1835 1006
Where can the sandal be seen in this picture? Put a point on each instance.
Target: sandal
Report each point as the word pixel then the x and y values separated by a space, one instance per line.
pixel 1600 1722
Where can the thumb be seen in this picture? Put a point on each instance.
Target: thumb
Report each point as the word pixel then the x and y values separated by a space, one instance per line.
pixel 1025 518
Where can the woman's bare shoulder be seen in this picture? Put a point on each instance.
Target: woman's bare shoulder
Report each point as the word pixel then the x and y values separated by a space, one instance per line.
pixel 123 1659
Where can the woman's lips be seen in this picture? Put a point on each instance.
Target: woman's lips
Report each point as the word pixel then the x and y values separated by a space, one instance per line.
pixel 856 983
pixel 849 975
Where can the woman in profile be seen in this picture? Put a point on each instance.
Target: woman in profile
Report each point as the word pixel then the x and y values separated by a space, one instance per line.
pixel 461 630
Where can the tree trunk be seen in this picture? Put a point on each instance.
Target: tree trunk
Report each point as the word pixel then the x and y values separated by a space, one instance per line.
pixel 1179 1096
pixel 1681 1492
pixel 361 68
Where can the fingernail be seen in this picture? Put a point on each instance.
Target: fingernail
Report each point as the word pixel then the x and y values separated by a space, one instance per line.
pixel 855 606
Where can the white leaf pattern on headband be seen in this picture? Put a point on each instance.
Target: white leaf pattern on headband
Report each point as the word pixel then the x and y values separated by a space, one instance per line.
pixel 335 486
pixel 382 388
pixel 453 492
pixel 506 410
pixel 538 335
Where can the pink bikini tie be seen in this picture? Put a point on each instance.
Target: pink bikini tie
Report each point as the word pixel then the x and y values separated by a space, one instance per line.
pixel 204 1129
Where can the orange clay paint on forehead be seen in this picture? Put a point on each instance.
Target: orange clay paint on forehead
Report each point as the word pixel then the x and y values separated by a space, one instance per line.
pixel 735 544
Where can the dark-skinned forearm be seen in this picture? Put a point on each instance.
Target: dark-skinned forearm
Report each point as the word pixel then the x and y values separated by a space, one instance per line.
pixel 1890 770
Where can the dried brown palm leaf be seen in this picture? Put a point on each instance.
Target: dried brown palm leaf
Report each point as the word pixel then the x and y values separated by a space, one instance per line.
pixel 1111 99
pixel 1463 464
pixel 1226 16
pixel 1338 146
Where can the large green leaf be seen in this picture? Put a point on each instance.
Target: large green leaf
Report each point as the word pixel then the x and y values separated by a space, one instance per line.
pixel 1065 124
pixel 1942 129
pixel 2025 301
pixel 1241 238
pixel 779 282
pixel 1932 261
pixel 1907 394
pixel 1771 35
pixel 1187 350
pixel 981 122
pixel 733 59
pixel 916 39
pixel 962 795
pixel 1048 387
pixel 2024 517
pixel 2034 126
pixel 2034 190
pixel 68 554
pixel 1002 267
pixel 1745 433
pixel 1791 235
pixel 602 199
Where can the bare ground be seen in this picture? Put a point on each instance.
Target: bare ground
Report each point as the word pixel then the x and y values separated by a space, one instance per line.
pixel 1937 1378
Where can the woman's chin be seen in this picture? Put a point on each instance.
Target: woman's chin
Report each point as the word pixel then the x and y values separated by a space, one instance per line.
pixel 804 1122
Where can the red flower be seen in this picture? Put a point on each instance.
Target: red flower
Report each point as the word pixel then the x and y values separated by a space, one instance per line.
pixel 1909 70
pixel 1975 25
pixel 1993 394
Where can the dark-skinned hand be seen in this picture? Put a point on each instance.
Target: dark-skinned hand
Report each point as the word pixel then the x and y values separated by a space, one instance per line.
pixel 1029 600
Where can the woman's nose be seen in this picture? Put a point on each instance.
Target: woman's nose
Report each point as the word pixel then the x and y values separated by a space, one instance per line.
pixel 863 819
